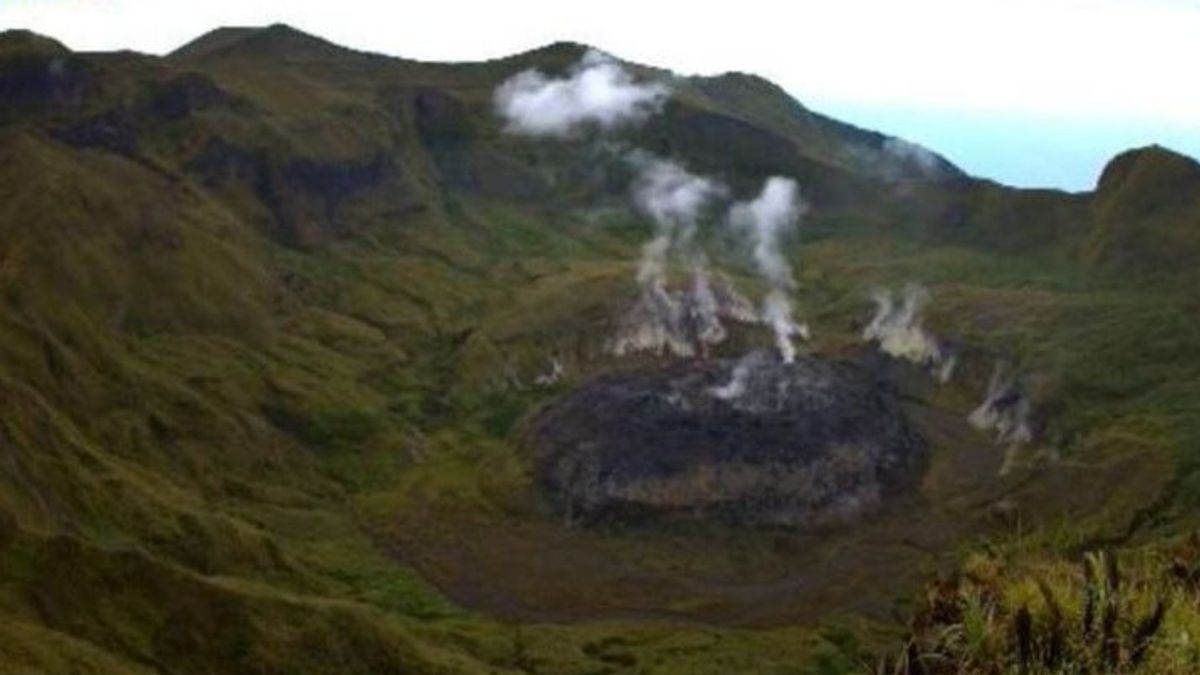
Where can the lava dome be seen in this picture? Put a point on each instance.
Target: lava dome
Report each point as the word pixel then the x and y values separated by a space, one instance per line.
pixel 756 441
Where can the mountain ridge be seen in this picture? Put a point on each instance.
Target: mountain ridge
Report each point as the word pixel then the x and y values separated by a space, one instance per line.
pixel 286 40
pixel 271 323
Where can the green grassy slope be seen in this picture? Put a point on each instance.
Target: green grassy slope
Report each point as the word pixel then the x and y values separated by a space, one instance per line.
pixel 272 310
pixel 1146 212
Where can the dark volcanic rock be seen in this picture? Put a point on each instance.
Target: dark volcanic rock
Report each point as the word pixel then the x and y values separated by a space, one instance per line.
pixel 754 441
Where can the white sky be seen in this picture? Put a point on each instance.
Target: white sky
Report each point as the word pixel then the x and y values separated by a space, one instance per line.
pixel 1124 71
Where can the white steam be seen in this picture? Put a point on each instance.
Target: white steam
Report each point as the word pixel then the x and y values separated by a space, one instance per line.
pixel 913 155
pixel 766 220
pixel 1005 410
pixel 684 322
pixel 597 92
pixel 552 376
pixel 777 313
pixel 738 379
pixel 897 329
pixel 704 321
pixel 732 305
pixel 898 162
pixel 663 321
pixel 674 199
pixel 768 217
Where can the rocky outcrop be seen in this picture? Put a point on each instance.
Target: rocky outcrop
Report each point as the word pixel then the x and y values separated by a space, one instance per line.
pixel 304 197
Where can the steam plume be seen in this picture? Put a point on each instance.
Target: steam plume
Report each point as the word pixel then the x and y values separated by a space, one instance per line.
pixel 897 329
pixel 898 162
pixel 553 376
pixel 738 380
pixel 914 155
pixel 674 199
pixel 1005 409
pixel 597 92
pixel 766 219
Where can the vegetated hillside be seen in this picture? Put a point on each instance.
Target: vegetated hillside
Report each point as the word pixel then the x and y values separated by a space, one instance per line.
pixel 1146 213
pixel 271 308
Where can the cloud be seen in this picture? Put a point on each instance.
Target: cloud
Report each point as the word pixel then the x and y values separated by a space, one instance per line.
pixel 597 92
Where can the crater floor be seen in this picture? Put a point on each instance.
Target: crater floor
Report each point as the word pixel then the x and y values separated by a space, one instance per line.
pixel 495 535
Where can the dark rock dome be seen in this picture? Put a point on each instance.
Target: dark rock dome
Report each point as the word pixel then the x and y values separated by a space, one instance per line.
pixel 751 441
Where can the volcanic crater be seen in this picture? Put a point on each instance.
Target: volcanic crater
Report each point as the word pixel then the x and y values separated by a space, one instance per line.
pixel 812 443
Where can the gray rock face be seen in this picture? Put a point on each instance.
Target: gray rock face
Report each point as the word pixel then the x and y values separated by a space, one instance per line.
pixel 751 441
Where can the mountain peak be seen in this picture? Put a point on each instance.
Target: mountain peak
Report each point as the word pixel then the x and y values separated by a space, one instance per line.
pixel 554 57
pixel 1146 208
pixel 1155 165
pixel 276 39
pixel 561 48
pixel 28 41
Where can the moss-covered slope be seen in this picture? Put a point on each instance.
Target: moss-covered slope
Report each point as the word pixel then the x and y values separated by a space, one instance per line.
pixel 270 309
